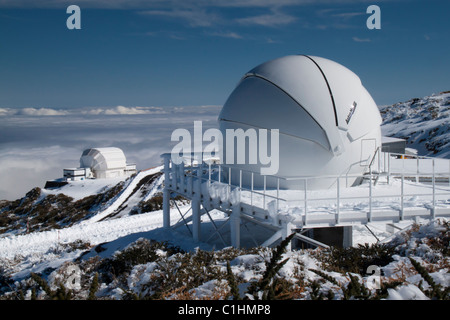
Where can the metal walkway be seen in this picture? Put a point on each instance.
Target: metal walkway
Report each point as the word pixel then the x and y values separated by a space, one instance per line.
pixel 396 188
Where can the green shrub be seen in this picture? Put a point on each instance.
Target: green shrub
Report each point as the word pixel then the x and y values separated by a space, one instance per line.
pixel 153 204
pixel 269 286
pixel 234 291
pixel 356 259
pixel 94 287
pixel 140 252
pixel 59 294
pixel 436 291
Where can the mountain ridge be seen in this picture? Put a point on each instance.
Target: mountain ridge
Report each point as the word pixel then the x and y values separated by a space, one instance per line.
pixel 423 122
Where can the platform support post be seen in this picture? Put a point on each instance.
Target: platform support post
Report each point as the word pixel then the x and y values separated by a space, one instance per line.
pixel 195 203
pixel 235 226
pixel 348 237
pixel 286 231
pixel 196 222
pixel 166 192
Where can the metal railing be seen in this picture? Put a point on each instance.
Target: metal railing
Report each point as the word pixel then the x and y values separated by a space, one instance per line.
pixel 214 181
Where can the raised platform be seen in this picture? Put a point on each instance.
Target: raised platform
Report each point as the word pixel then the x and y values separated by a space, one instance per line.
pixel 382 196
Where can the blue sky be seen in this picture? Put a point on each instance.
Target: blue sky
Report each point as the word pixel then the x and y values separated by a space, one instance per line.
pixel 193 52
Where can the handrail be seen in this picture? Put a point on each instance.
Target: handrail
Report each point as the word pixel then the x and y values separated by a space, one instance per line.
pixel 339 196
pixel 374 155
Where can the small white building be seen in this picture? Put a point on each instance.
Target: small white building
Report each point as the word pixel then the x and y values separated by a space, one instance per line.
pixel 392 144
pixel 77 174
pixel 100 163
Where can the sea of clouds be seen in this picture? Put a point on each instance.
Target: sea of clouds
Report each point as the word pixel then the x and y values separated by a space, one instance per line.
pixel 37 143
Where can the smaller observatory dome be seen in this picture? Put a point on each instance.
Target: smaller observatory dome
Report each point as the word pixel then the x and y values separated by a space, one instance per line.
pixel 328 123
pixel 104 162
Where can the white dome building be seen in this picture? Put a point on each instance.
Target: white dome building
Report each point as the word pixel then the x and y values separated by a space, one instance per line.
pixel 104 162
pixel 100 163
pixel 328 123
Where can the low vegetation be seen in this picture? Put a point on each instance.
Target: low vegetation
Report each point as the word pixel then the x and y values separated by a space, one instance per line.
pixel 148 269
pixel 38 211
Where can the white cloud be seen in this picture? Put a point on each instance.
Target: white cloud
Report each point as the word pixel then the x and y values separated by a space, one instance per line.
pixel 231 35
pixel 268 20
pixel 356 39
pixel 196 17
pixel 6 112
pixel 32 112
pixel 121 110
pixel 42 112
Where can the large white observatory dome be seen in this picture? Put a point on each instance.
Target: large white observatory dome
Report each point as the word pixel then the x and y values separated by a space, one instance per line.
pixel 104 162
pixel 328 123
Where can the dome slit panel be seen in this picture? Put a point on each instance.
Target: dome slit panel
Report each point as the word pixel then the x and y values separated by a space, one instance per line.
pixel 329 89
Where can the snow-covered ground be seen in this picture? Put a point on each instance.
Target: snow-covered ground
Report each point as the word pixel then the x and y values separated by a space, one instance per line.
pixel 48 253
pixel 83 188
pixel 125 195
pixel 37 249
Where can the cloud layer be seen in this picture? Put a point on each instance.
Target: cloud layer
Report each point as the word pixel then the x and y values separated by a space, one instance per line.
pixel 119 110
pixel 36 144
